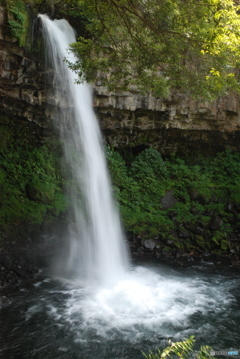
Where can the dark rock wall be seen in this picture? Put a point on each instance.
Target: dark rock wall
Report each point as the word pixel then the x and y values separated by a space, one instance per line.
pixel 178 124
pixel 22 85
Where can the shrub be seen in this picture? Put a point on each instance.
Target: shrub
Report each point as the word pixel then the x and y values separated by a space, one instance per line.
pixel 181 350
pixel 200 186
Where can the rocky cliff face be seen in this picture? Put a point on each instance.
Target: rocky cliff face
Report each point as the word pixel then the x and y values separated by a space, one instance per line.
pixel 22 85
pixel 177 124
pixel 128 119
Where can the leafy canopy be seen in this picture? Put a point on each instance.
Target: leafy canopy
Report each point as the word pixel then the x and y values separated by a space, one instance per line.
pixel 157 45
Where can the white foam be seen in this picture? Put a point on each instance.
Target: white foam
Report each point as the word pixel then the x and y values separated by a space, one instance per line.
pixel 143 300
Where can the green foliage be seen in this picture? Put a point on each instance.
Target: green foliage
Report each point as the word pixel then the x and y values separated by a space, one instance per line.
pixel 72 8
pixel 139 191
pixel 202 187
pixel 158 45
pixel 116 167
pixel 149 162
pixel 181 350
pixel 18 20
pixel 226 168
pixel 30 181
pixel 30 170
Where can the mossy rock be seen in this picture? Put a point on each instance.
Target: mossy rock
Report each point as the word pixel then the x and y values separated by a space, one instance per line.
pixel 18 20
pixel 167 249
pixel 224 245
pixel 201 242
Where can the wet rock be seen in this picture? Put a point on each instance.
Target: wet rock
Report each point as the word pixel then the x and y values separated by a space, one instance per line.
pixel 198 230
pixel 215 223
pixel 149 244
pixel 170 243
pixel 172 214
pixel 235 261
pixel 183 232
pixel 200 241
pixel 193 194
pixel 224 244
pixel 230 207
pixel 168 201
pixel 194 228
pixel 232 219
pixel 195 211
pixel 202 200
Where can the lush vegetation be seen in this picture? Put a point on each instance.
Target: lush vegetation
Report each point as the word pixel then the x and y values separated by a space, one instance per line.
pixel 153 46
pixel 158 45
pixel 30 179
pixel 204 213
pixel 18 20
pixel 182 350
pixel 20 14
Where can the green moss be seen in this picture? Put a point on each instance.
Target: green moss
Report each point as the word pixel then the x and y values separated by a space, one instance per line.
pixel 202 243
pixel 18 20
pixel 179 244
pixel 224 244
pixel 167 249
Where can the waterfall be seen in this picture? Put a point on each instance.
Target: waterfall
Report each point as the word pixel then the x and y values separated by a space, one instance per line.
pixel 97 248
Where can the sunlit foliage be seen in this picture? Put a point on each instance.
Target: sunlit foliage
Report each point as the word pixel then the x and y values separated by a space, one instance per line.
pixel 182 350
pixel 153 45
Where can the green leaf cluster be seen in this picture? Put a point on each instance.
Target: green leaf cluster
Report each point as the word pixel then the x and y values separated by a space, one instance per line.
pixel 159 45
pixel 182 350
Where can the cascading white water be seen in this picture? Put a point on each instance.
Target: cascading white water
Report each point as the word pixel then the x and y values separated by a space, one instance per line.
pixel 97 241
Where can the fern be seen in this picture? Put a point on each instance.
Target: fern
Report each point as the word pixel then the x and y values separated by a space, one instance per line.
pixel 181 350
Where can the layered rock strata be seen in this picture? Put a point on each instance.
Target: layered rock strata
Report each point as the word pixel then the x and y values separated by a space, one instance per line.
pixel 177 124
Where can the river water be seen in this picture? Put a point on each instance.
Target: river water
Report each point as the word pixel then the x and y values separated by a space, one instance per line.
pixel 56 318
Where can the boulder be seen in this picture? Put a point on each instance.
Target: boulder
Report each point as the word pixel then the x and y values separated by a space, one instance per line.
pixel 149 244
pixel 215 223
pixel 168 201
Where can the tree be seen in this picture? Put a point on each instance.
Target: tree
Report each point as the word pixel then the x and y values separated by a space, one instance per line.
pixel 158 45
